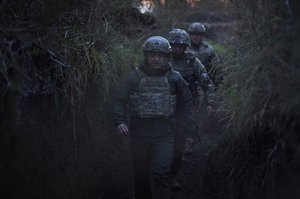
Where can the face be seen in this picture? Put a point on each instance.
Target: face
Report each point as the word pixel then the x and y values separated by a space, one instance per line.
pixel 196 38
pixel 156 59
pixel 178 50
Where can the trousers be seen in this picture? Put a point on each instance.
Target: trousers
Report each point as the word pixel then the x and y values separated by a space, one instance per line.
pixel 152 158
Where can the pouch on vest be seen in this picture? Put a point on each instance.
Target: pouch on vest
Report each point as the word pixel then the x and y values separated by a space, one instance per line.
pixel 153 98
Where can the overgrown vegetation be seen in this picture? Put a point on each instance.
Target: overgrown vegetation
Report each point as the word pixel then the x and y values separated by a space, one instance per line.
pixel 62 60
pixel 260 155
pixel 60 64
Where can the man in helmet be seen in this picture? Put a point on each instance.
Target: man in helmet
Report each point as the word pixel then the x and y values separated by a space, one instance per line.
pixel 155 95
pixel 203 51
pixel 195 75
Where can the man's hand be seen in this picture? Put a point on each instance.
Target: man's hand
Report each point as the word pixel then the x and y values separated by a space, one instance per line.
pixel 122 129
pixel 209 109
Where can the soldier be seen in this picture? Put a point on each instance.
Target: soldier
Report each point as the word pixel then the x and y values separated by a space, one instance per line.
pixel 156 95
pixel 204 52
pixel 195 75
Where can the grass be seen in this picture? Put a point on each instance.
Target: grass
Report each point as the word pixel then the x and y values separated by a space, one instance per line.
pixel 262 102
pixel 59 77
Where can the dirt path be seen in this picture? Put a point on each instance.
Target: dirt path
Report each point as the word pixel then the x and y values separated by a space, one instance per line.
pixel 192 173
pixel 191 176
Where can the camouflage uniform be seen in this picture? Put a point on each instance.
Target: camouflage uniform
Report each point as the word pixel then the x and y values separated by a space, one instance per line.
pixel 206 54
pixel 195 74
pixel 152 128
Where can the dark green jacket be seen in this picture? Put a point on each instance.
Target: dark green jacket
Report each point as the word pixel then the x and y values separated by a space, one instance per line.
pixel 153 127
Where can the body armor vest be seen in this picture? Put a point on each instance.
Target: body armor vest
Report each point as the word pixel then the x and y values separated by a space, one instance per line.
pixel 153 98
pixel 186 69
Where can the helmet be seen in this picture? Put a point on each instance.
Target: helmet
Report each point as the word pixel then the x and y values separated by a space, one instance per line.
pixel 196 28
pixel 157 44
pixel 179 36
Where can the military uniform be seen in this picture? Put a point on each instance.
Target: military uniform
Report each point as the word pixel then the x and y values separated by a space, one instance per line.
pixel 155 99
pixel 154 126
pixel 205 53
pixel 195 74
